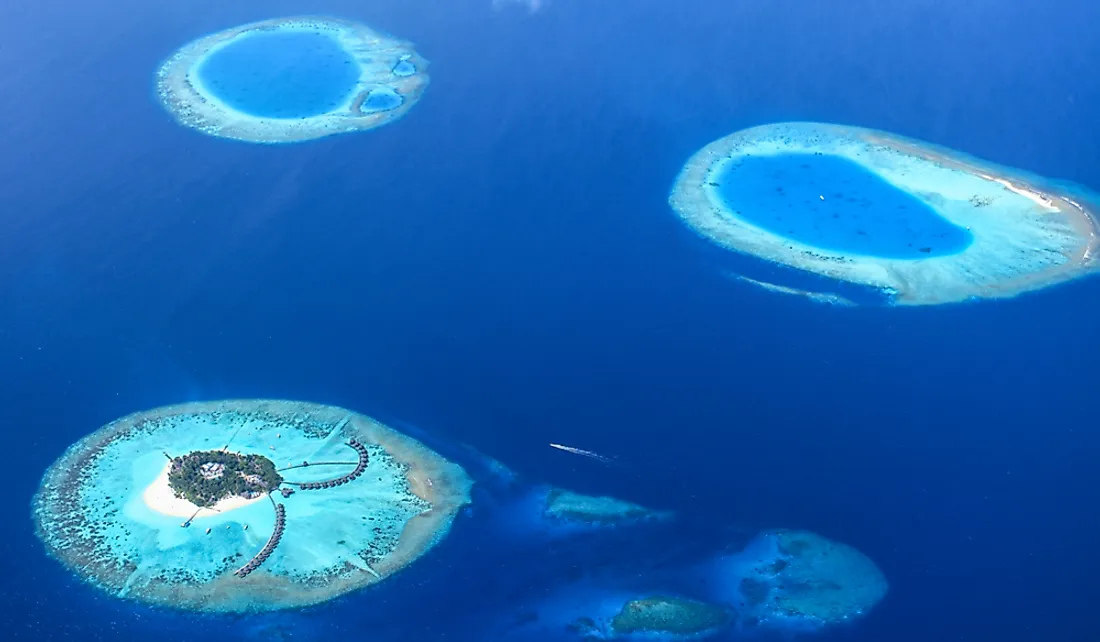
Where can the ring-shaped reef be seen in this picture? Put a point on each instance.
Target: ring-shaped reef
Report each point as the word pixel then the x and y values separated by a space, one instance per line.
pixel 249 505
pixel 291 79
pixel 922 223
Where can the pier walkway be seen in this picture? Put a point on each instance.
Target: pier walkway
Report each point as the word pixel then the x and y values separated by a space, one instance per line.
pixel 360 468
pixel 269 547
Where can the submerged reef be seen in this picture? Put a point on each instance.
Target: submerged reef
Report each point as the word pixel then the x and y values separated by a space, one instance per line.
pixel 921 223
pixel 568 506
pixel 291 79
pixel 655 617
pixel 776 583
pixel 107 510
pixel 799 581
pixel 669 615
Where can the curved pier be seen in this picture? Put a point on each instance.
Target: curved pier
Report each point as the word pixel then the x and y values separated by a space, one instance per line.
pixel 269 547
pixel 912 222
pixel 360 467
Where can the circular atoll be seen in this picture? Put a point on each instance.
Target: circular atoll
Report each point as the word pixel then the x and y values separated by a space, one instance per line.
pixel 291 79
pixel 248 505
pixel 801 581
pixel 923 224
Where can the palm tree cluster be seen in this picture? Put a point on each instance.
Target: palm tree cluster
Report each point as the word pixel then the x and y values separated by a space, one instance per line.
pixel 206 477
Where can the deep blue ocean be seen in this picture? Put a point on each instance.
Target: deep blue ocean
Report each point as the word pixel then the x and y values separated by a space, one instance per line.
pixel 501 267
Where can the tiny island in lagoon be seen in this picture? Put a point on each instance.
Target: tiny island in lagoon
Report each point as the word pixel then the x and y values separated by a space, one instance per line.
pixel 291 79
pixel 921 223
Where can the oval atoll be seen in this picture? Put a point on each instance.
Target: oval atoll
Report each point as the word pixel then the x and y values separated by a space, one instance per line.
pixel 247 505
pixel 922 223
pixel 291 79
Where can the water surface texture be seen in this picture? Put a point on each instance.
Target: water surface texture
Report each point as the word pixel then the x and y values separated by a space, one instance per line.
pixel 834 204
pixel 281 74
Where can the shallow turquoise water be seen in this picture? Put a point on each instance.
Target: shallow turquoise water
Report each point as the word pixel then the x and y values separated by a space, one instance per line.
pixel 281 74
pixel 834 204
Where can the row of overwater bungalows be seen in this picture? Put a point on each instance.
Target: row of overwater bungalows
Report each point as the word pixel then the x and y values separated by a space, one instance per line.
pixel 269 547
pixel 360 468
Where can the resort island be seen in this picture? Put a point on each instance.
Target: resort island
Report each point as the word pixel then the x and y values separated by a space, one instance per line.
pixel 919 223
pixel 268 506
pixel 208 478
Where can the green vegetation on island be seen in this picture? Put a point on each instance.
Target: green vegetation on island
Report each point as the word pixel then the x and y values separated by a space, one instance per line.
pixel 206 477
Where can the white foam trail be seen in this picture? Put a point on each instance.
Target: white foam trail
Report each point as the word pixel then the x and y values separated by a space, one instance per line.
pixel 583 453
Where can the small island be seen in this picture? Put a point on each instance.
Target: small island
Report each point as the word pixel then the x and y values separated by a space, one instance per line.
pixel 206 477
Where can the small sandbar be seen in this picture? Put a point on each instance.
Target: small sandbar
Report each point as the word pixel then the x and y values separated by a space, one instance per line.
pixel 921 223
pixel 794 581
pixel 291 79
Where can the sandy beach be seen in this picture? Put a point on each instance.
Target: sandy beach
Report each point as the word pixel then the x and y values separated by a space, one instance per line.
pixel 160 498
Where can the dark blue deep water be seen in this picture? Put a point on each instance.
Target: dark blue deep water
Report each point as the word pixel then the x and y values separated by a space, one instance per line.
pixel 281 74
pixel 501 267
pixel 835 204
